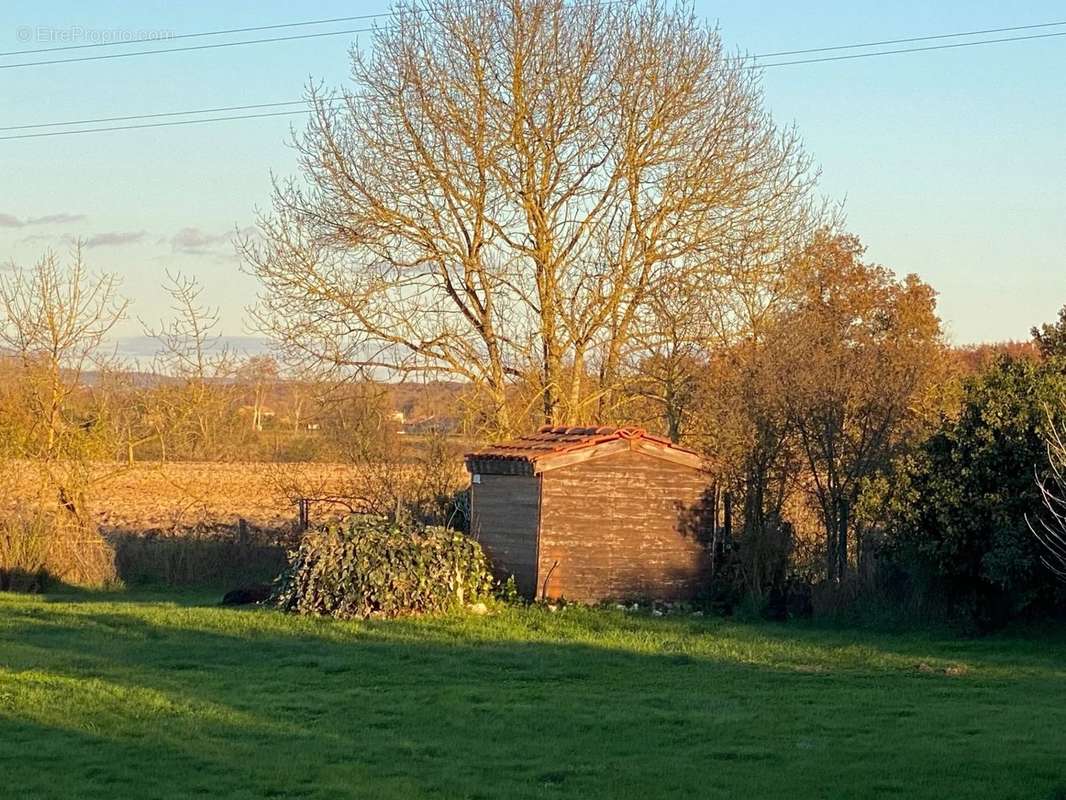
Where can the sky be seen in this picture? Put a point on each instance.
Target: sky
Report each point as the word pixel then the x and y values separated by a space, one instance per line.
pixel 951 164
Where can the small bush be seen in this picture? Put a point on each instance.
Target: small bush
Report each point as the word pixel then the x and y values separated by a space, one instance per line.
pixel 370 566
pixel 507 592
pixel 80 556
pixel 23 552
pixel 37 546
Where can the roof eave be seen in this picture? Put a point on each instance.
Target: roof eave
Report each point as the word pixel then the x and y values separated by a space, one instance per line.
pixel 646 447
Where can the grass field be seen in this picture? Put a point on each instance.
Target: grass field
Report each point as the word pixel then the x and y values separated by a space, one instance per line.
pixel 111 696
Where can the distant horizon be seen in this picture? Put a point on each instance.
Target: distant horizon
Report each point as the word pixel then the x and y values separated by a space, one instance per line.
pixel 147 347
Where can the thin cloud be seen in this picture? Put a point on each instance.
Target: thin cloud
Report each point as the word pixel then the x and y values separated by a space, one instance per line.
pixel 55 219
pixel 115 238
pixel 34 238
pixel 198 242
pixel 11 221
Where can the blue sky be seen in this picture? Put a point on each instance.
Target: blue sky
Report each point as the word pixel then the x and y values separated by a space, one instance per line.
pixel 952 163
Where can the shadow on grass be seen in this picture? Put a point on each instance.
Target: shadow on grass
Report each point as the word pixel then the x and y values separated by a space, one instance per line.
pixel 21 580
pixel 524 704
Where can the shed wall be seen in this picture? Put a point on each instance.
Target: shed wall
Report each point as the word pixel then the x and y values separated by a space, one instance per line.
pixel 505 513
pixel 621 526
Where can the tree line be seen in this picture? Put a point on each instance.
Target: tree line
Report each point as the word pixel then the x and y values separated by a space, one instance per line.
pixel 576 213
pixel 586 213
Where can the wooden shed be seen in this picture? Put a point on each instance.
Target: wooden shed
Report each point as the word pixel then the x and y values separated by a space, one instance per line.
pixel 591 513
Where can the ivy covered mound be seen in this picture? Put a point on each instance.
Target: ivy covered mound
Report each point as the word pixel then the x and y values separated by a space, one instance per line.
pixel 375 567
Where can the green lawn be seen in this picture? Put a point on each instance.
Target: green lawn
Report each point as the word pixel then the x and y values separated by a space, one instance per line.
pixel 117 696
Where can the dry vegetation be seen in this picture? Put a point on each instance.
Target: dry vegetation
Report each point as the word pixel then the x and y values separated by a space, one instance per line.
pixel 161 497
pixel 181 523
pixel 92 455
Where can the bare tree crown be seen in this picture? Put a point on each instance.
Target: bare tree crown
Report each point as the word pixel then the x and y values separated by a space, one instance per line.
pixel 505 183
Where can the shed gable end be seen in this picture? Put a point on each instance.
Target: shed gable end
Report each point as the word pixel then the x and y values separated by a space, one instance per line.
pixel 620 526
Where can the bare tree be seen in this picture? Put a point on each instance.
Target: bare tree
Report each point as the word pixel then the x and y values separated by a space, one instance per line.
pixel 128 406
pixel 190 346
pixel 669 355
pixel 54 320
pixel 504 186
pixel 195 408
pixel 260 373
pixel 1050 528
pixel 696 316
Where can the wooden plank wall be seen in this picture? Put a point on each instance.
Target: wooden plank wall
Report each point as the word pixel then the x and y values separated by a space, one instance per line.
pixel 505 512
pixel 621 527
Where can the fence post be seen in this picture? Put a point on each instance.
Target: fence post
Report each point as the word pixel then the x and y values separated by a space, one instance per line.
pixel 305 514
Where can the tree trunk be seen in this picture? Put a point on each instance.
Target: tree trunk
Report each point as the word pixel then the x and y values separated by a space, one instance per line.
pixel 550 388
pixel 575 414
pixel 673 415
pixel 842 542
pixel 831 541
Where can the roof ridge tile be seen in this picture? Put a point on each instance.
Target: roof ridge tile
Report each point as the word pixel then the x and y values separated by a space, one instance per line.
pixel 553 440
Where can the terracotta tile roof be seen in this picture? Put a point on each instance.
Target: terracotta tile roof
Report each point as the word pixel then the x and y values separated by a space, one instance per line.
pixel 551 441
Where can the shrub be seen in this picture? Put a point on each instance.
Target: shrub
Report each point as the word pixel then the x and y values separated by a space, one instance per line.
pixel 198 556
pixel 959 525
pixel 37 546
pixel 23 552
pixel 371 566
pixel 421 480
pixel 80 556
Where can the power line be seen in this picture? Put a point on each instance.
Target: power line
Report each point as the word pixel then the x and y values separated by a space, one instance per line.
pixel 851 56
pixel 360 17
pixel 190 48
pixel 96 120
pixel 153 125
pixel 224 32
pixel 303 111
pixel 296 37
pixel 186 49
pixel 886 42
